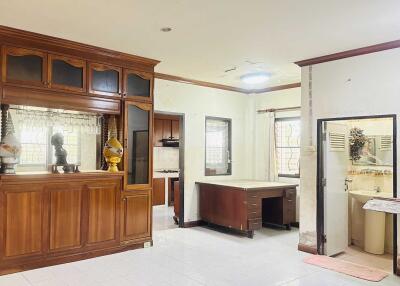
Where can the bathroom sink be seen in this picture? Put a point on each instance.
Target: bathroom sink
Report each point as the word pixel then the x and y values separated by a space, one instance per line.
pixel 363 196
pixel 374 222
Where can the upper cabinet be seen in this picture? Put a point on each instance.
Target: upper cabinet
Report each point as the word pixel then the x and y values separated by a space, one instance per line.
pixel 138 138
pixel 105 79
pixel 24 66
pixel 67 73
pixel 138 85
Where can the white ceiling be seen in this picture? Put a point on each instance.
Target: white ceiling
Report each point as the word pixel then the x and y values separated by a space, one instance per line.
pixel 211 36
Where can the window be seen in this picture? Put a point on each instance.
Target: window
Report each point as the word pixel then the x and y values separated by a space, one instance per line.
pixel 287 136
pixel 218 147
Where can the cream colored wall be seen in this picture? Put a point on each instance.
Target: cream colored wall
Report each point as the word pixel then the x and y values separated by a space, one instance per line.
pixel 363 85
pixel 276 99
pixel 196 103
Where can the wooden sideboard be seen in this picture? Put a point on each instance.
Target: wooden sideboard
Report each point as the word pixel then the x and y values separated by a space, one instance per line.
pixel 54 218
pixel 57 218
pixel 239 204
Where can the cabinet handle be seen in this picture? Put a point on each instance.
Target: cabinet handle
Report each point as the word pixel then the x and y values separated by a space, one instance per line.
pixel 253 204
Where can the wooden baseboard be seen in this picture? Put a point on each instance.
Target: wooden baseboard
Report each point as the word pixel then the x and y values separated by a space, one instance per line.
pixel 194 223
pixel 307 248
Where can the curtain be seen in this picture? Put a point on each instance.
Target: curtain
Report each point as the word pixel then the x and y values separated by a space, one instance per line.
pixel 272 171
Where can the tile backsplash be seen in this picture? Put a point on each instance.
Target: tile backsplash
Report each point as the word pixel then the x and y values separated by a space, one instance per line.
pixel 165 158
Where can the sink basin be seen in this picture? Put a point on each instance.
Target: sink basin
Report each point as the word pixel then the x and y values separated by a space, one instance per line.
pixel 363 196
pixel 374 231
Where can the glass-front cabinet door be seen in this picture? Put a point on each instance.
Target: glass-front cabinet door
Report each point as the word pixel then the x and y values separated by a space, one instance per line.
pixel 23 66
pixel 138 85
pixel 138 148
pixel 104 79
pixel 67 73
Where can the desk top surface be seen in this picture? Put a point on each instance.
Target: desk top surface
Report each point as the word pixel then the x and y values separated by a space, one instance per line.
pixel 249 184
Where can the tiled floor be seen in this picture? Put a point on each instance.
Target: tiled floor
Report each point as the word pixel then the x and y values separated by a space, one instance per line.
pixel 357 255
pixel 163 218
pixel 196 257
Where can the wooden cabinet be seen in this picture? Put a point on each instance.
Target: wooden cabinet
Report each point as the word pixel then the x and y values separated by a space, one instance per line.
pixel 165 127
pixel 67 73
pixel 24 66
pixel 105 79
pixel 66 210
pixel 158 132
pixel 102 212
pixel 23 218
pixel 138 85
pixel 136 215
pixel 138 151
pixel 158 191
pixel 177 201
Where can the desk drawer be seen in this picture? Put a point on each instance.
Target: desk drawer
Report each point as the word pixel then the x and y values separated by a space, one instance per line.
pixel 254 214
pixel 254 224
pixel 254 205
pixel 290 194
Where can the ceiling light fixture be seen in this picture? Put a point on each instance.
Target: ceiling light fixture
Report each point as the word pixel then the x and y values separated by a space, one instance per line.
pixel 166 29
pixel 255 78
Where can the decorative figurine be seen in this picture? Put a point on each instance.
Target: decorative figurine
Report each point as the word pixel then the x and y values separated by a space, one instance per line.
pixel 10 148
pixel 57 140
pixel 112 148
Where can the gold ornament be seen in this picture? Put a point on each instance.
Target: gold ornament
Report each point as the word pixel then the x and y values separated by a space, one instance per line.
pixel 113 150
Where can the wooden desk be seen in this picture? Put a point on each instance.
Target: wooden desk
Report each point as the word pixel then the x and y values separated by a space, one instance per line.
pixel 239 204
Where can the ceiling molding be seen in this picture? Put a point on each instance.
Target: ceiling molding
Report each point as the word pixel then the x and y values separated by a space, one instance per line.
pixel 350 53
pixel 224 87
pixel 198 82
pixel 275 88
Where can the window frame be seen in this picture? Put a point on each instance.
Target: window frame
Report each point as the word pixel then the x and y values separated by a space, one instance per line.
pixel 292 118
pixel 229 121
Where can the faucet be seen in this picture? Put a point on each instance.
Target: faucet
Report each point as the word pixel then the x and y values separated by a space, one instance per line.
pixel 377 189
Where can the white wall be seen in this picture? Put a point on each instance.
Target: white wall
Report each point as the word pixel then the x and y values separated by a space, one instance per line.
pixel 196 103
pixel 363 85
pixel 276 99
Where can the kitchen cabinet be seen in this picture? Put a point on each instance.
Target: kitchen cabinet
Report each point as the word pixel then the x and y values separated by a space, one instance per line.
pixel 105 80
pixel 24 66
pixel 136 215
pixel 158 191
pixel 138 85
pixel 67 73
pixel 138 151
pixel 165 128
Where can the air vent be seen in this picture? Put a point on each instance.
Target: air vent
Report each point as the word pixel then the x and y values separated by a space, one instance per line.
pixel 337 141
pixel 386 143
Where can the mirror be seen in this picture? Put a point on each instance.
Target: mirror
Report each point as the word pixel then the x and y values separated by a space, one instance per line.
pixel 378 151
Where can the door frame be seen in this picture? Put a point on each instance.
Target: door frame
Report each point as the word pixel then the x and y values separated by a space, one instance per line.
pixel 181 116
pixel 320 176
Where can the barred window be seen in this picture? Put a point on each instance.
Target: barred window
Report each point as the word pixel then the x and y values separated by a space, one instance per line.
pixel 287 136
pixel 218 146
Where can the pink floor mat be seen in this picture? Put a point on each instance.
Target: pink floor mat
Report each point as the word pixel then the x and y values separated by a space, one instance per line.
pixel 352 269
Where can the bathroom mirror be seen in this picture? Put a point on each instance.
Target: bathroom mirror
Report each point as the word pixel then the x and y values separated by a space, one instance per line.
pixel 377 152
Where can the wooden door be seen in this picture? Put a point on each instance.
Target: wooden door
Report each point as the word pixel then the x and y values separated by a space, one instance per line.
pixel 23 213
pixel 175 129
pixel 158 191
pixel 103 203
pixel 67 73
pixel 66 201
pixel 138 85
pixel 105 80
pixel 23 66
pixel 136 212
pixel 158 132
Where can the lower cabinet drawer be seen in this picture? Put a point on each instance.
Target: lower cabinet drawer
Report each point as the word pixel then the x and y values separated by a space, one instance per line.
pixel 254 224
pixel 254 214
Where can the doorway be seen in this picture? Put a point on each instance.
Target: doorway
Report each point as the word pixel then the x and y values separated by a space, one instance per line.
pixel 168 170
pixel 356 160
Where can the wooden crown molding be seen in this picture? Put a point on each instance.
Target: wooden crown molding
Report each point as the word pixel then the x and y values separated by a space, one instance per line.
pixel 15 36
pixel 224 87
pixel 350 53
